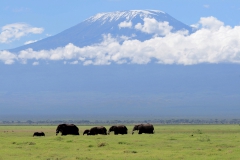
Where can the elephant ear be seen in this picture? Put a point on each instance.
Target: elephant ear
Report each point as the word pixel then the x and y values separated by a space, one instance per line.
pixel 139 126
pixel 112 128
pixel 136 127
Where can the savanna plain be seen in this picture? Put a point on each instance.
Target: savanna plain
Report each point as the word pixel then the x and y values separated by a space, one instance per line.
pixel 191 142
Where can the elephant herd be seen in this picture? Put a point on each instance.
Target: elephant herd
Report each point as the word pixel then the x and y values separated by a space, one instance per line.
pixel 72 129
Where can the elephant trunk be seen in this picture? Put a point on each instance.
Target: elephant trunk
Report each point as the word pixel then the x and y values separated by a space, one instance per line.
pixel 133 130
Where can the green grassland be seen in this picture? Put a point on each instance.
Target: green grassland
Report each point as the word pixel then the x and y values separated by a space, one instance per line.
pixel 193 142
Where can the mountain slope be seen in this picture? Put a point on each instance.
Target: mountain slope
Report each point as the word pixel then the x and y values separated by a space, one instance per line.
pixel 92 30
pixel 161 90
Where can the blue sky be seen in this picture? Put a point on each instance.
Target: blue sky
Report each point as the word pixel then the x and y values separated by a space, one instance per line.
pixel 205 84
pixel 55 16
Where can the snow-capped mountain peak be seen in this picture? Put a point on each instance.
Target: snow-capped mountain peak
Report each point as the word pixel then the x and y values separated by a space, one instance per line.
pixel 116 24
pixel 129 15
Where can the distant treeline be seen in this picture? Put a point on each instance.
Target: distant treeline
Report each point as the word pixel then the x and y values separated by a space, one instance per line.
pixel 110 122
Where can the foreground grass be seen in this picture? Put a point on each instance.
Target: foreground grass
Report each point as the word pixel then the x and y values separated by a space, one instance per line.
pixel 168 142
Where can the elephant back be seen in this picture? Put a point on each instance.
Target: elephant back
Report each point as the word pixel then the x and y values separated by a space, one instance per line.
pixel 148 126
pixel 144 128
pixel 67 129
pixel 102 130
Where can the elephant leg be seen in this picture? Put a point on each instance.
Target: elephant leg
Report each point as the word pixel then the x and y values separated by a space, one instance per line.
pixel 64 134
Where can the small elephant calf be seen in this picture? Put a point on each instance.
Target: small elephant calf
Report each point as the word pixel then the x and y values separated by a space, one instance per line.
pixel 38 134
pixel 86 132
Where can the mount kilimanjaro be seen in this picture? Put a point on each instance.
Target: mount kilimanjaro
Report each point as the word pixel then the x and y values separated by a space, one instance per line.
pixel 117 24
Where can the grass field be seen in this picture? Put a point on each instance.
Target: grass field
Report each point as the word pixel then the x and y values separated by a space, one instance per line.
pixel 193 142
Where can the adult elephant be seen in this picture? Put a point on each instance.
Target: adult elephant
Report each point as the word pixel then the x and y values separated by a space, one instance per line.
pixel 120 129
pixel 97 130
pixel 66 129
pixel 38 134
pixel 143 128
pixel 86 131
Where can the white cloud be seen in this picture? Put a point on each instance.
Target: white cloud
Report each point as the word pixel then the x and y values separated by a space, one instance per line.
pixel 213 43
pixel 7 57
pixel 125 24
pixel 31 41
pixel 15 31
pixel 74 62
pixel 211 23
pixel 153 26
pixel 35 63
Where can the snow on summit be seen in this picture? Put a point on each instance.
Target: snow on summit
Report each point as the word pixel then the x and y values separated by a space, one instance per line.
pixel 129 15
